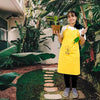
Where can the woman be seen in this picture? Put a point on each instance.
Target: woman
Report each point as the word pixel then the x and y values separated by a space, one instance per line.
pixel 69 56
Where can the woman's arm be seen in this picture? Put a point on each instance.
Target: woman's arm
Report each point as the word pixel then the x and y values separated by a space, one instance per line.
pixel 60 38
pixel 60 34
pixel 82 40
pixel 83 36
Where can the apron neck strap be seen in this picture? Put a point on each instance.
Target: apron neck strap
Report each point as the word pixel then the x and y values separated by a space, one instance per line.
pixel 67 26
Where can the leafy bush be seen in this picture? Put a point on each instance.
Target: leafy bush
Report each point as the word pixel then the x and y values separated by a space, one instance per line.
pixel 30 58
pixel 6 80
pixel 8 57
pixel 5 54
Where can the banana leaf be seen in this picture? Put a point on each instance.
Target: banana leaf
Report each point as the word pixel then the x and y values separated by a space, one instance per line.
pixel 30 58
pixel 97 68
pixel 53 37
pixel 45 1
pixel 6 80
pixel 8 51
pixel 5 55
pixel 10 57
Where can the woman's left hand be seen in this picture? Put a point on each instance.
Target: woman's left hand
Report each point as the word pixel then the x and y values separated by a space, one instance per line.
pixel 84 31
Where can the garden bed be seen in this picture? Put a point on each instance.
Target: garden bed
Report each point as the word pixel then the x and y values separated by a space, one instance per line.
pixel 11 92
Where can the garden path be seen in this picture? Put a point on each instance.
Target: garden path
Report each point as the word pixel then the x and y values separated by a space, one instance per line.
pixel 50 91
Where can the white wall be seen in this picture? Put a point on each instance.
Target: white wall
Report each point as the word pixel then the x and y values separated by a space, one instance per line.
pixel 13 34
pixel 21 3
pixel 53 45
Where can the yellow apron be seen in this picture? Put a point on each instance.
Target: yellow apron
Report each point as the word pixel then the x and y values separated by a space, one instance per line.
pixel 69 55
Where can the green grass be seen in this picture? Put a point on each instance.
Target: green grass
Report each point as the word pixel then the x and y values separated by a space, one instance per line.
pixel 4 99
pixel 30 85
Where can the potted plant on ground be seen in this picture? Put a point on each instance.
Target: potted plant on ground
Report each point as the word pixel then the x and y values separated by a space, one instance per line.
pixel 55 20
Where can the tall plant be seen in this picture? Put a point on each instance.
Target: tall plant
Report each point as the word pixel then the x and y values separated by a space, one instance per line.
pixel 34 13
pixel 19 41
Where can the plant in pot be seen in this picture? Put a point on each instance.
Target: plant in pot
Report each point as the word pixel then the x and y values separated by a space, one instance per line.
pixel 55 20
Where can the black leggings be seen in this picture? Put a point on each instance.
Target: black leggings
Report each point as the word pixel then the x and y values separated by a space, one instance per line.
pixel 73 79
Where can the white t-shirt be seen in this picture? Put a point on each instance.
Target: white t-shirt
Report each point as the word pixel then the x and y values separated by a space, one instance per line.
pixel 73 28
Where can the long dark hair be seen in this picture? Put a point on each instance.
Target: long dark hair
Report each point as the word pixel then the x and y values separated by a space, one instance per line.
pixel 77 25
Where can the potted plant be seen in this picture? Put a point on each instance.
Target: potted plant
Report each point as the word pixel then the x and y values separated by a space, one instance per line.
pixel 55 20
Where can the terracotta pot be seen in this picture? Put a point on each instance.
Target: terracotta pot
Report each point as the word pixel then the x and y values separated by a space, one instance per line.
pixel 56 27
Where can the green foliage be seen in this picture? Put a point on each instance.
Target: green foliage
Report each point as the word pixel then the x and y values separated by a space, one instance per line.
pixel 6 80
pixel 32 39
pixel 58 7
pixel 30 58
pixel 85 54
pixel 53 36
pixel 54 19
pixel 86 47
pixel 8 51
pixel 18 44
pixel 97 68
pixel 29 38
pixel 30 85
pixel 45 56
pixel 44 1
pixel 9 57
pixel 31 42
pixel 19 41
pixel 5 59
pixel 21 29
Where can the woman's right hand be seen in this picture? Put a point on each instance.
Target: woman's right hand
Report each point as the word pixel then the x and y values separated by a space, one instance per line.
pixel 84 31
pixel 56 32
pixel 60 38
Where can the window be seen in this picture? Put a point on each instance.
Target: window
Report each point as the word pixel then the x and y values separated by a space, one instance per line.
pixel 3 34
pixel 3 28
pixel 3 23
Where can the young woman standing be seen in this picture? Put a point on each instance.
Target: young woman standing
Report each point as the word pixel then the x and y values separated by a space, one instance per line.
pixel 69 55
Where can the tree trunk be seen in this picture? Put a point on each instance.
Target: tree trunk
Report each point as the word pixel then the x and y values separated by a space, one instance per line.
pixel 38 24
pixel 84 16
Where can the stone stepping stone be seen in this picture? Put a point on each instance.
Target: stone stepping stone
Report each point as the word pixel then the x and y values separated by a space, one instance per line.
pixel 49 80
pixel 52 96
pixel 49 72
pixel 53 89
pixel 50 69
pixel 49 84
pixel 48 75
pixel 81 95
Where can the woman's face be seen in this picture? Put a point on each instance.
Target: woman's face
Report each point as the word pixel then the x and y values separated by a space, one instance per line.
pixel 71 18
